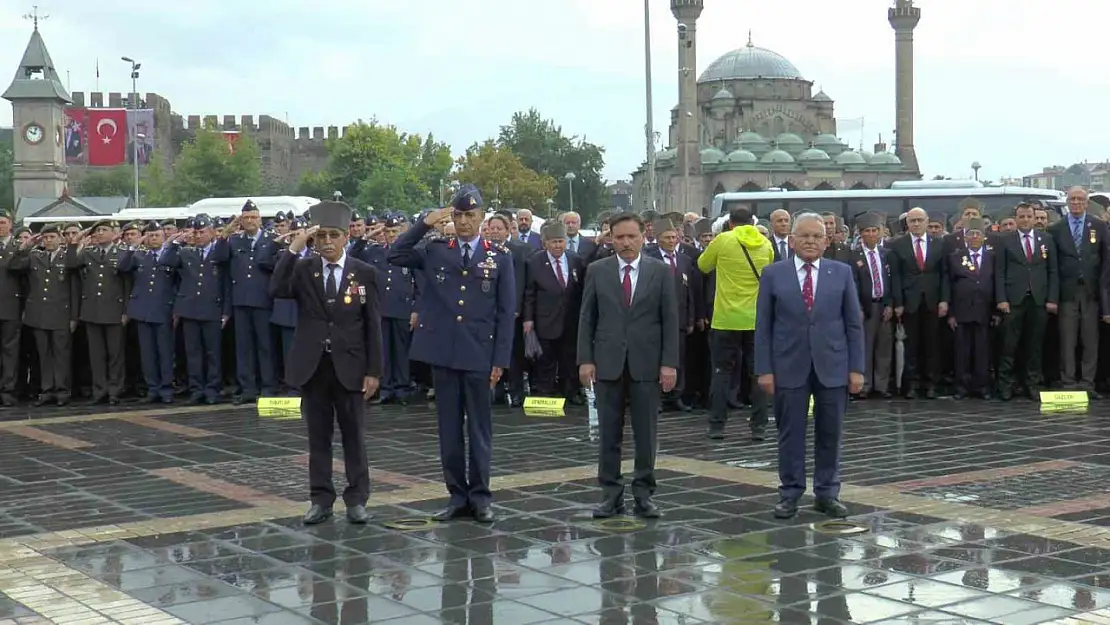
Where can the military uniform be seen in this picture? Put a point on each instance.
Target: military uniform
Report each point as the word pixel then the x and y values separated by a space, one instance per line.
pixel 11 315
pixel 104 293
pixel 252 263
pixel 465 329
pixel 202 304
pixel 51 313
pixel 150 310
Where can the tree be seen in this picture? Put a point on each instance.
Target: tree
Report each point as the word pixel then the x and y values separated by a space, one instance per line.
pixel 112 182
pixel 156 186
pixel 542 147
pixel 208 167
pixel 499 174
pixel 377 165
pixel 7 188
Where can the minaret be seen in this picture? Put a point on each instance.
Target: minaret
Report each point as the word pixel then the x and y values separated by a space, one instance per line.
pixel 904 16
pixel 688 150
pixel 38 110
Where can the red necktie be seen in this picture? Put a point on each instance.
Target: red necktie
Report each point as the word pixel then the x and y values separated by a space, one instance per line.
pixel 807 287
pixel 1028 249
pixel 627 286
pixel 674 267
pixel 559 273
pixel 920 256
pixel 876 279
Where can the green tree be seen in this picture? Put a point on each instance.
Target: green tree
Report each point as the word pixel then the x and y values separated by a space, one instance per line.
pixel 499 174
pixel 156 188
pixel 206 167
pixel 7 190
pixel 107 182
pixel 542 147
pixel 377 165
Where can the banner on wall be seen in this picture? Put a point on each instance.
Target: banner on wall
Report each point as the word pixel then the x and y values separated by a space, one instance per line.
pixel 75 135
pixel 140 135
pixel 232 137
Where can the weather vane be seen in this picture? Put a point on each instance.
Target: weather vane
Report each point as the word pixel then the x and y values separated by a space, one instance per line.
pixel 34 16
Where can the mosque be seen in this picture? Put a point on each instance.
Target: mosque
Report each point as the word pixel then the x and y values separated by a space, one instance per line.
pixel 751 122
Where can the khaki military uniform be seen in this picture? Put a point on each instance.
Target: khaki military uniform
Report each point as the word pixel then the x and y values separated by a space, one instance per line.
pixel 51 297
pixel 102 305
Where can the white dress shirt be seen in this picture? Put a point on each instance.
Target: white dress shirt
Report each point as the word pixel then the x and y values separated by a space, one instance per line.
pixel 799 266
pixel 342 264
pixel 635 274
pixel 560 268
pixel 781 245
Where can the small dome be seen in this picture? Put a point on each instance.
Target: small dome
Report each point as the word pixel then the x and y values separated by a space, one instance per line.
pixel 823 140
pixel 750 138
pixel 822 97
pixel 867 155
pixel 885 158
pixel 790 142
pixel 712 155
pixel 724 94
pixel 814 155
pixel 850 158
pixel 666 155
pixel 777 156
pixel 741 156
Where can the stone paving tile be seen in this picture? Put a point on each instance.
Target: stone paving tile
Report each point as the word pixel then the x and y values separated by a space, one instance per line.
pixel 1032 490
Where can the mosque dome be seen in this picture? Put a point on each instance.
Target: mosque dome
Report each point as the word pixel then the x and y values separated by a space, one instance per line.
pixel 822 97
pixel 790 142
pixel 750 62
pixel 814 155
pixel 741 156
pixel 850 158
pixel 777 157
pixel 885 158
pixel 723 94
pixel 712 155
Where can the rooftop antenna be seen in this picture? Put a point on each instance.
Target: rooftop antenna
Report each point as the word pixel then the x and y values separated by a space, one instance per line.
pixel 35 17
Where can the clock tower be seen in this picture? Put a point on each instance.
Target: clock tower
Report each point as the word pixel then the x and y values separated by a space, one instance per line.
pixel 38 108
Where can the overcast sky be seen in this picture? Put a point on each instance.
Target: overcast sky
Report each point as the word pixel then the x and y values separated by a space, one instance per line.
pixel 1014 84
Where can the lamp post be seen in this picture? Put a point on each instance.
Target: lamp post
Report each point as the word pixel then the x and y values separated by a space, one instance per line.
pixel 570 182
pixel 550 207
pixel 975 166
pixel 649 130
pixel 134 101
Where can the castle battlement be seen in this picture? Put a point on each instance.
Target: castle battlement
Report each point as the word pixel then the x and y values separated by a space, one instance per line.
pixel 99 99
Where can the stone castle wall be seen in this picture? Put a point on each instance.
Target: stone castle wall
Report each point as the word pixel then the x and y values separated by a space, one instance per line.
pixel 287 153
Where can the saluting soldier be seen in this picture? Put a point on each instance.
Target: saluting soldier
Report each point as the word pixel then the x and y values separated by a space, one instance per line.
pixel 465 331
pixel 102 308
pixel 284 314
pixel 252 262
pixel 337 354
pixel 150 310
pixel 203 305
pixel 397 292
pixel 51 310
pixel 11 313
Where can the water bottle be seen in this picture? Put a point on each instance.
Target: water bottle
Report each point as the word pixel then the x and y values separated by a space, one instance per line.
pixel 591 403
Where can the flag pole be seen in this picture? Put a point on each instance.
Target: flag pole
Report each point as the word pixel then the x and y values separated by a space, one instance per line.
pixel 97 74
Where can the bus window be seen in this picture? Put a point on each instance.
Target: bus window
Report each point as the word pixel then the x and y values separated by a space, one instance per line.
pixel 999 204
pixel 817 205
pixel 892 207
pixel 762 209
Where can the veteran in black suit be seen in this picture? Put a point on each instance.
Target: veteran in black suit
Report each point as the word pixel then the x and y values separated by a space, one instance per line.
pixel 971 270
pixel 336 358
pixel 687 283
pixel 1027 288
pixel 871 270
pixel 552 293
pixel 628 345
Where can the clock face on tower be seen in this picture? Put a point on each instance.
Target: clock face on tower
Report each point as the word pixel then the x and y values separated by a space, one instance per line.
pixel 33 133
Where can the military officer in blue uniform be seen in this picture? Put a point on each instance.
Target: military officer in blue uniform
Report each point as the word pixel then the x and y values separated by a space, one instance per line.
pixel 465 332
pixel 202 305
pixel 150 310
pixel 252 262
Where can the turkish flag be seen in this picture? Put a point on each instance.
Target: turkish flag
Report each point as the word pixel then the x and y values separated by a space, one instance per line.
pixel 107 135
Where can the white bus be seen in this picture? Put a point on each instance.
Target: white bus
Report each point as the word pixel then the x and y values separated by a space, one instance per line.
pixel 891 202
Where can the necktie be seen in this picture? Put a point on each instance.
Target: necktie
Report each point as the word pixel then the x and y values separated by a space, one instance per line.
pixel 331 287
pixel 574 245
pixel 1028 249
pixel 975 259
pixel 626 285
pixel 876 279
pixel 782 250
pixel 920 253
pixel 466 254
pixel 559 273
pixel 674 267
pixel 523 238
pixel 1077 233
pixel 807 287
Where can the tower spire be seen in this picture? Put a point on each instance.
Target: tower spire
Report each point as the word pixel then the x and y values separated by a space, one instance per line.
pixel 750 44
pixel 35 17
pixel 37 77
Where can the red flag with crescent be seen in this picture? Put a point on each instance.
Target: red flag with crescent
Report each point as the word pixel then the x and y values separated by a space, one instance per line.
pixel 107 136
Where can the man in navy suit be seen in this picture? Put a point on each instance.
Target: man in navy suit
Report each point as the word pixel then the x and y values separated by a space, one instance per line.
pixel 524 228
pixel 809 343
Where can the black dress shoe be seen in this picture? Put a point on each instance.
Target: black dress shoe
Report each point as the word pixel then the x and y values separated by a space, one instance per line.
pixel 759 435
pixel 911 394
pixel 62 402
pixel 41 401
pixel 715 433
pixel 451 512
pixel 645 508
pixel 930 394
pixel 358 515
pixel 484 514
pixel 316 514
pixel 113 401
pixel 609 508
pixel 786 509
pixel 887 395
pixel 831 507
pixel 8 401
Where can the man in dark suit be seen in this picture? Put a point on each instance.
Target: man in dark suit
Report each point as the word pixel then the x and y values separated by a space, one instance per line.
pixel 1081 242
pixel 835 250
pixel 465 332
pixel 971 274
pixel 499 227
pixel 577 244
pixel 970 208
pixel 336 358
pixel 552 293
pixel 780 234
pixel 687 281
pixel 872 274
pixel 524 229
pixel 920 293
pixel 809 343
pixel 1027 288
pixel 628 344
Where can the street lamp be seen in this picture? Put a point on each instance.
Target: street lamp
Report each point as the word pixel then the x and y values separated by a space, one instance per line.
pixel 976 167
pixel 135 105
pixel 570 182
pixel 550 207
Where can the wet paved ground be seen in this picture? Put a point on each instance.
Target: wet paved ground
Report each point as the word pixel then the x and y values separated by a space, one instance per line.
pixel 978 513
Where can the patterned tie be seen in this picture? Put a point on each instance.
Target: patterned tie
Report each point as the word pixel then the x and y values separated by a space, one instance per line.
pixel 626 285
pixel 807 287
pixel 559 273
pixel 920 253
pixel 1028 249
pixel 674 267
pixel 975 259
pixel 876 279
pixel 1077 234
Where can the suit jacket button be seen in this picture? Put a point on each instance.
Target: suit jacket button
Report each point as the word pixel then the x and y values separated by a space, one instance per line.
pixel 459 318
pixel 461 302
pixel 462 288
